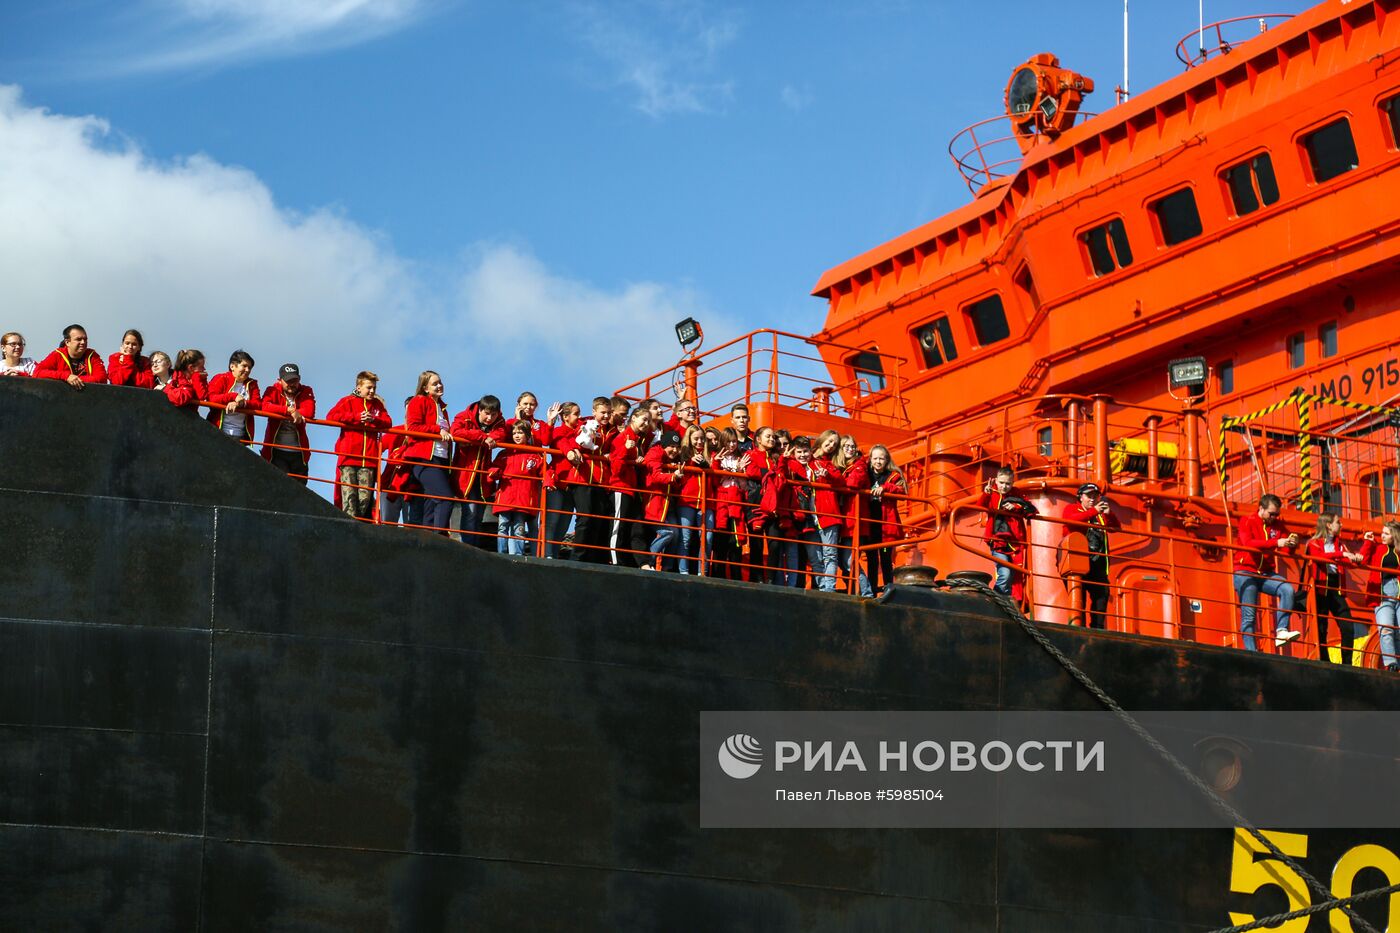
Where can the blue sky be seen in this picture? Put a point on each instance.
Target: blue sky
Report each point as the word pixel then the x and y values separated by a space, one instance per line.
pixel 518 195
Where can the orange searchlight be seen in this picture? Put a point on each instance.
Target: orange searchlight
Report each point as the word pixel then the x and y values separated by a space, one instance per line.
pixel 1043 98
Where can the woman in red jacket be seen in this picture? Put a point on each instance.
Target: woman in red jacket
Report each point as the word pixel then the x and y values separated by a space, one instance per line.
pixel 765 549
pixel 693 500
pixel 855 474
pixel 1325 571
pixel 625 455
pixel 128 367
pixel 236 394
pixel 886 482
pixel 429 456
pixel 730 501
pixel 517 476
pixel 1383 588
pixel 187 386
pixel 362 416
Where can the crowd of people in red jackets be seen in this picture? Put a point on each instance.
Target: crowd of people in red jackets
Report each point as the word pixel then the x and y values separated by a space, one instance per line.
pixel 624 484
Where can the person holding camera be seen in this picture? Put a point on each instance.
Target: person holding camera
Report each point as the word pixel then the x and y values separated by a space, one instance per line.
pixel 1093 519
pixel 1261 537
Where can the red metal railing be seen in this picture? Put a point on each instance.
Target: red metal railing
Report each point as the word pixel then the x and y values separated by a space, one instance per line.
pixel 1216 33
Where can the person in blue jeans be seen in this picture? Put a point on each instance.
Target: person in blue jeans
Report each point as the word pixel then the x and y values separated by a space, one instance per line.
pixel 1384 558
pixel 1261 536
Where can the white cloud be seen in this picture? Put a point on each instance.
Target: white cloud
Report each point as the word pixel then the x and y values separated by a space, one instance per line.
pixel 589 339
pixel 166 35
pixel 197 253
pixel 794 99
pixel 665 51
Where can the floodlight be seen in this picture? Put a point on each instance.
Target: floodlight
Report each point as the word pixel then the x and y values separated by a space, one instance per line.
pixel 688 332
pixel 1190 371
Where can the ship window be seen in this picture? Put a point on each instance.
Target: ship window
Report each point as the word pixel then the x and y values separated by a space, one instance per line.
pixel 1327 339
pixel 1380 492
pixel 1045 441
pixel 1108 247
pixel 1391 108
pixel 988 318
pixel 936 343
pixel 1026 283
pixel 1177 216
pixel 867 369
pixel 1297 350
pixel 1331 150
pixel 1252 184
pixel 1225 377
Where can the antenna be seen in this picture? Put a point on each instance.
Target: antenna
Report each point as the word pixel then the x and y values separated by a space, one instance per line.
pixel 1123 91
pixel 1201 26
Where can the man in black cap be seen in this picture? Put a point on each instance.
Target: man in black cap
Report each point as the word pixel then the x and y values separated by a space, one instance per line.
pixel 290 403
pixel 1091 517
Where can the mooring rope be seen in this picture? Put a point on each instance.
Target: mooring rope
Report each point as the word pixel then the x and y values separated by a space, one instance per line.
pixel 1221 806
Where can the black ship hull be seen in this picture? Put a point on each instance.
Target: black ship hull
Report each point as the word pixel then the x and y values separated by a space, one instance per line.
pixel 227 707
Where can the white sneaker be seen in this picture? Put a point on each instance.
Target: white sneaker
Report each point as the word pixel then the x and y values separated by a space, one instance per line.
pixel 1283 638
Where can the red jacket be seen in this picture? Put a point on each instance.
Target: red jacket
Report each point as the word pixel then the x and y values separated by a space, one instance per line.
pixel 769 472
pixel 421 417
pixel 1107 521
pixel 728 493
pixel 187 391
pixel 594 471
pixel 1003 529
pixel 624 461
pixel 274 402
pixel 397 475
pixel 562 471
pixel 516 476
pixel 220 393
pixel 57 366
pixel 122 371
pixel 1252 533
pixel 856 475
pixel 1373 554
pixel 358 444
pixel 661 483
pixel 1315 571
pixel 473 457
pixel 828 487
pixel 885 510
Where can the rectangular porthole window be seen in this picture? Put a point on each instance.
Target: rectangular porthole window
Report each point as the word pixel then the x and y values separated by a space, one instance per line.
pixel 1331 150
pixel 1045 441
pixel 1327 339
pixel 866 367
pixel 935 340
pixel 1252 184
pixel 988 318
pixel 1177 216
pixel 1107 245
pixel 1297 351
pixel 1225 377
pixel 1390 107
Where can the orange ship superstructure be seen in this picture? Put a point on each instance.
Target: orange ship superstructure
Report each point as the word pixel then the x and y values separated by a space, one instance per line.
pixel 1243 212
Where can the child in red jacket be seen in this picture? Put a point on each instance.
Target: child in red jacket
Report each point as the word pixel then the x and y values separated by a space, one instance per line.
pixel 886 484
pixel 1005 531
pixel 630 541
pixel 665 475
pixel 236 394
pixel 517 476
pixel 731 498
pixel 693 499
pixel 361 415
pixel 478 428
pixel 188 385
pixel 128 367
pixel 593 498
pixel 855 475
